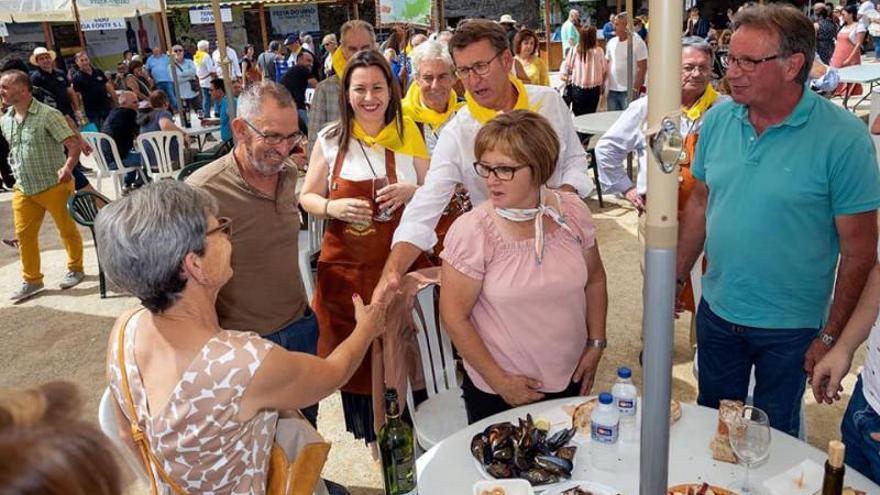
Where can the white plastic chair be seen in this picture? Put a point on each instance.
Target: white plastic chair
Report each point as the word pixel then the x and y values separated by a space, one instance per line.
pixel 102 161
pixel 443 413
pixel 309 246
pixel 697 283
pixel 158 162
pixel 107 422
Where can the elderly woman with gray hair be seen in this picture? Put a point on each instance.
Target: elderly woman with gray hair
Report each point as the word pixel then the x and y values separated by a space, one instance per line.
pixel 206 399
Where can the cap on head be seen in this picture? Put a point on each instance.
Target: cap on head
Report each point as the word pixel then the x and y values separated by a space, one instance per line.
pixel 506 19
pixel 291 39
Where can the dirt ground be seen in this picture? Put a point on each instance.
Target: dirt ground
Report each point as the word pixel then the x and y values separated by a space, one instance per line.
pixel 62 336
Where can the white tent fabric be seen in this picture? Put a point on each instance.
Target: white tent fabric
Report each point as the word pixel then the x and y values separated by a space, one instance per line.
pixel 62 10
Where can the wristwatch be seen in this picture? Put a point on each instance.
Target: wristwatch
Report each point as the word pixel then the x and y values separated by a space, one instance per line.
pixel 599 343
pixel 826 339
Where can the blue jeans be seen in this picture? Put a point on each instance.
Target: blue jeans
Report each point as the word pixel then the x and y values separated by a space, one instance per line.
pixel 859 421
pixel 727 354
pixel 301 336
pixel 168 88
pixel 617 100
pixel 132 159
pixel 876 46
pixel 206 103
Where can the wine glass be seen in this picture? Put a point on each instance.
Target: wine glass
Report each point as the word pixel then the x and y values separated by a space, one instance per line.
pixel 750 440
pixel 378 184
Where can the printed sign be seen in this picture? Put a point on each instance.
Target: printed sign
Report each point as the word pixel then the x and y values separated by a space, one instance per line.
pixel 102 24
pixel 405 11
pixel 206 16
pixel 286 20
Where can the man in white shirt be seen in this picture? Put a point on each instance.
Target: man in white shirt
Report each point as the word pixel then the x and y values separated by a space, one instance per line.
pixel 483 62
pixel 206 71
pixel 616 53
pixel 235 66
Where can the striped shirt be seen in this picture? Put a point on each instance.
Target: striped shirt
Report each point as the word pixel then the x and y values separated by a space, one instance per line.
pixel 35 144
pixel 587 72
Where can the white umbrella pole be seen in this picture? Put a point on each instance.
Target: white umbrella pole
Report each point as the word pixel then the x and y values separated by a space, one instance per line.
pixel 664 98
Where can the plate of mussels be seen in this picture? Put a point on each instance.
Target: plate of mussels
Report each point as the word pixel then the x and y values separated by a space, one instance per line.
pixel 538 454
pixel 582 488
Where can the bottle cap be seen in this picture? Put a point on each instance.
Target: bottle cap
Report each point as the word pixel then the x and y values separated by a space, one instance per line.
pixel 624 372
pixel 391 394
pixel 605 398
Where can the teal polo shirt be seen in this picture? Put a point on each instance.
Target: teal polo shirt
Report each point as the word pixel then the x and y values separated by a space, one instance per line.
pixel 771 240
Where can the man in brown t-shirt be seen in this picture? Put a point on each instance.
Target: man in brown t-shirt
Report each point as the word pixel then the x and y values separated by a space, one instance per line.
pixel 255 187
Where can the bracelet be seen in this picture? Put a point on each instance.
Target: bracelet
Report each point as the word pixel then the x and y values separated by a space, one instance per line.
pixel 326 207
pixel 598 343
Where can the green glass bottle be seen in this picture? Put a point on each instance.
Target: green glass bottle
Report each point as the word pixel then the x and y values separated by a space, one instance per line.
pixel 397 449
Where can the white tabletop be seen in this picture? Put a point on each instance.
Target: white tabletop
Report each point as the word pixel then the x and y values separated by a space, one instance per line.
pixel 449 467
pixel 864 73
pixel 595 123
pixel 196 128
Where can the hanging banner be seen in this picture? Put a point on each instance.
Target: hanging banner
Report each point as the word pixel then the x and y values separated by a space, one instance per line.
pixel 286 20
pixel 102 24
pixel 206 16
pixel 405 11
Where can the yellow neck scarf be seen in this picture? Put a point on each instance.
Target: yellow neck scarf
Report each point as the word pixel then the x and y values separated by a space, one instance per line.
pixel 197 58
pixel 339 62
pixel 702 105
pixel 419 112
pixel 483 114
pixel 411 143
pixel 409 48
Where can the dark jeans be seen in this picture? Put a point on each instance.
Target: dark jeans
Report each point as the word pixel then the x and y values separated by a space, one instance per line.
pixel 480 405
pixel 584 100
pixel 168 88
pixel 5 169
pixel 300 336
pixel 859 421
pixel 132 159
pixel 617 100
pixel 727 354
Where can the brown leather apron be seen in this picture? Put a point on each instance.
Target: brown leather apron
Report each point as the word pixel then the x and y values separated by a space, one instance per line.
pixel 351 262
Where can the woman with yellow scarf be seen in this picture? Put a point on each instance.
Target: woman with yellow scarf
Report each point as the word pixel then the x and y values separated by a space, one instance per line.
pixel 362 172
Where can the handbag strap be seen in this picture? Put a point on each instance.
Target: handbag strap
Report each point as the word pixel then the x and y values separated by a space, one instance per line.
pixel 136 433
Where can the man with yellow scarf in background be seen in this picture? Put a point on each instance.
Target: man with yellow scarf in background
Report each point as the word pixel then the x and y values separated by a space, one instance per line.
pixel 431 102
pixel 354 36
pixel 626 136
pixel 483 62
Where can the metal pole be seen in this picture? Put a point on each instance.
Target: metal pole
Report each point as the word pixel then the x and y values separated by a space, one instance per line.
pixel 224 59
pixel 184 112
pixel 664 97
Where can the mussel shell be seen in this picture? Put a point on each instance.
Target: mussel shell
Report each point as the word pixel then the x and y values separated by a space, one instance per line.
pixel 538 476
pixel 560 438
pixel 503 453
pixel 500 470
pixel 567 452
pixel 480 449
pixel 555 465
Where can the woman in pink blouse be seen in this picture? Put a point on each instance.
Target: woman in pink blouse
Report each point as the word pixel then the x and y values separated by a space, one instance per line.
pixel 523 296
pixel 585 69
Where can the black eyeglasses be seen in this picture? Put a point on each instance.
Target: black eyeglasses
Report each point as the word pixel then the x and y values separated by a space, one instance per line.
pixel 747 64
pixel 224 224
pixel 479 68
pixel 503 172
pixel 276 139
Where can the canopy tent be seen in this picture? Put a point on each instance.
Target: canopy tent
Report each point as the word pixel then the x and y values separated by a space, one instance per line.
pixel 70 10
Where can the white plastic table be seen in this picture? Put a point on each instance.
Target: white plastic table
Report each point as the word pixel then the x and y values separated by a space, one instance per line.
pixel 861 74
pixel 596 123
pixel 449 467
pixel 196 129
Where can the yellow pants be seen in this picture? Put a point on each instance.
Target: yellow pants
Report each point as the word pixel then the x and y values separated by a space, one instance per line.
pixel 28 213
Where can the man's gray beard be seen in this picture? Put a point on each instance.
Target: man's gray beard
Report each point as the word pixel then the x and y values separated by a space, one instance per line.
pixel 262 168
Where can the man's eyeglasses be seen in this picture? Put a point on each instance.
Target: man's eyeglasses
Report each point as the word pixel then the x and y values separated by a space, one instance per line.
pixel 276 139
pixel 699 69
pixel 224 224
pixel 479 68
pixel 503 172
pixel 747 64
pixel 429 80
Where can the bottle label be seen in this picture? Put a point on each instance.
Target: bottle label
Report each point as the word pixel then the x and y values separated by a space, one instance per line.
pixel 626 407
pixel 603 433
pixel 403 472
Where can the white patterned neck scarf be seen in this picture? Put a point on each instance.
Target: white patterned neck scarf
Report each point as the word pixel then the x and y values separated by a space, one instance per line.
pixel 537 215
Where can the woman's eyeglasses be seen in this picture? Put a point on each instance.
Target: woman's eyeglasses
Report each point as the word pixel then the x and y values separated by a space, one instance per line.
pixel 224 224
pixel 503 172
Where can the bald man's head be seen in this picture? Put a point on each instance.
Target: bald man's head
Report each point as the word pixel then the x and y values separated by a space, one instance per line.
pixel 128 99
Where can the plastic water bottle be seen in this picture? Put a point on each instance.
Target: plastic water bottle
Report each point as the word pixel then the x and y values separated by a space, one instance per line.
pixel 604 424
pixel 626 399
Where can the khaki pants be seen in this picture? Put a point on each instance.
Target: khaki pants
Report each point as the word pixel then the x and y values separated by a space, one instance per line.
pixel 28 213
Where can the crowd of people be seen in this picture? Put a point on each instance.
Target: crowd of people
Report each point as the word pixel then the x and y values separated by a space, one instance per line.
pixel 452 150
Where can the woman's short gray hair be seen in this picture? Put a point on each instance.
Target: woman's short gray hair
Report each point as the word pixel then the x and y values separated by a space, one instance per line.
pixel 203 45
pixel 145 236
pixel 251 100
pixel 431 50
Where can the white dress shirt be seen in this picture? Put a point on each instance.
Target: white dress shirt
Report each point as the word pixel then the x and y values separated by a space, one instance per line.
pixel 626 136
pixel 364 164
pixel 453 158
pixel 204 70
pixel 235 69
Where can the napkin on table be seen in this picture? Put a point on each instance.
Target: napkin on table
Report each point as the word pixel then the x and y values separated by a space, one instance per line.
pixel 804 478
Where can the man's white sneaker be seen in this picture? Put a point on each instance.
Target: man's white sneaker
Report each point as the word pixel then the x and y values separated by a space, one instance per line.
pixel 26 290
pixel 71 279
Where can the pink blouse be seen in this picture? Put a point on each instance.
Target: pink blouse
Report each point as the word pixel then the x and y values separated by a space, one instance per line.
pixel 588 72
pixel 530 316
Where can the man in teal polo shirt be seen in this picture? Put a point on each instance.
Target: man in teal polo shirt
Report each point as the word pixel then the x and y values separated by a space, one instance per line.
pixel 788 186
